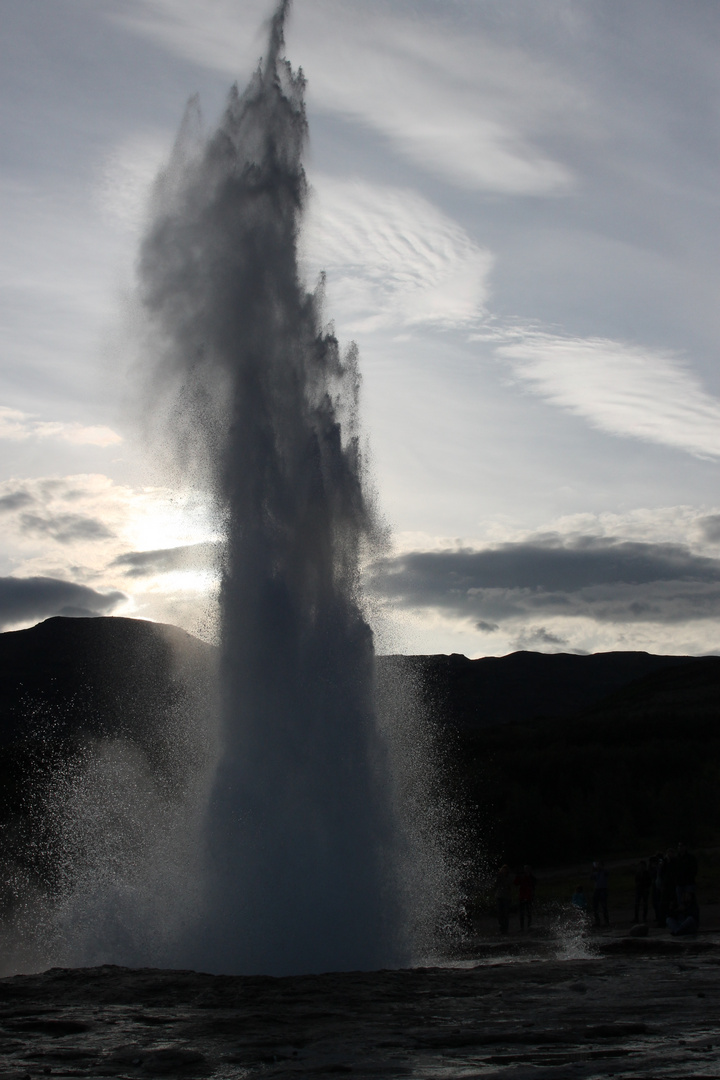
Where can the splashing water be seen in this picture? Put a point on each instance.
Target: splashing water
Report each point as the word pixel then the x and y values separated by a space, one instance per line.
pixel 570 931
pixel 300 831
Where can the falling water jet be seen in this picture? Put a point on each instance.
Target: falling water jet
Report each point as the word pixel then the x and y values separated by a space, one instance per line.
pixel 302 844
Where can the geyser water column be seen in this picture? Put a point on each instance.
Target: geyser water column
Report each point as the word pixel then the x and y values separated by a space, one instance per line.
pixel 300 833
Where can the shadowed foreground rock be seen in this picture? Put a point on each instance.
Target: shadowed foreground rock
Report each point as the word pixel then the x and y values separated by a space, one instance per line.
pixel 650 1012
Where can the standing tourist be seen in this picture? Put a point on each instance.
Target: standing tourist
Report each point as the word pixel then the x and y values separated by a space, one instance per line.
pixel 599 878
pixel 579 899
pixel 503 890
pixel 525 881
pixel 685 872
pixel 643 882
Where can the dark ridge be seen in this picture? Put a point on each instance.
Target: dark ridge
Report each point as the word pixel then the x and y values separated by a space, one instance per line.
pixel 95 676
pixel 556 757
pixel 674 693
pixel 108 676
pixel 526 686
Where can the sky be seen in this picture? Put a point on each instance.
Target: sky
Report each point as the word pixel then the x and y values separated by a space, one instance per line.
pixel 516 205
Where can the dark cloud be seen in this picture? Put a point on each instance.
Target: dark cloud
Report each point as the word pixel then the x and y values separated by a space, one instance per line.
pixel 15 501
pixel 36 598
pixel 711 527
pixel 65 528
pixel 163 560
pixel 539 638
pixel 595 577
pixel 551 565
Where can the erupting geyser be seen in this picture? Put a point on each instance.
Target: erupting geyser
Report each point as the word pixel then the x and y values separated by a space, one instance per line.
pixel 310 835
pixel 301 841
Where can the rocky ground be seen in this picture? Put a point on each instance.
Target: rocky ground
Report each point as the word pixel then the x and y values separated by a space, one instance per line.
pixel 535 1007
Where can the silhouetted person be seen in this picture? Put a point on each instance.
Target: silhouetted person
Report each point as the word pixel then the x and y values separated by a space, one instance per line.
pixel 599 878
pixel 654 869
pixel 503 889
pixel 685 871
pixel 579 898
pixel 643 882
pixel 668 884
pixel 525 882
pixel 684 917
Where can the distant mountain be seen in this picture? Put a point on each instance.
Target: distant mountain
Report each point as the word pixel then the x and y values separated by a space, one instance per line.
pixel 677 693
pixel 525 686
pixel 639 770
pixel 67 688
pixel 109 675
pixel 98 676
pixel 555 757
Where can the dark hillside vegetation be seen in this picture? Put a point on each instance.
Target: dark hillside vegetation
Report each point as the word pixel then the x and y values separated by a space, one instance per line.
pixel 524 686
pixel 637 772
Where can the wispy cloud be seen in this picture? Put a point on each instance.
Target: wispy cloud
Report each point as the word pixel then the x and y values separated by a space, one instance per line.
pixel 540 639
pixel 125 179
pixel 467 110
pixel 393 259
pixel 218 36
pixel 15 500
pixel 619 388
pixel 18 426
pixel 198 557
pixel 65 528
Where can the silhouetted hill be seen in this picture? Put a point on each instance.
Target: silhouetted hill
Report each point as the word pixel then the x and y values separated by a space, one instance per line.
pixel 524 685
pixel 674 694
pixel 98 676
pixel 67 687
pixel 639 769
pixel 114 676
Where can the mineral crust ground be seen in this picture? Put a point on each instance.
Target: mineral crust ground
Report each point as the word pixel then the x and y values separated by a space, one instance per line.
pixel 638 1008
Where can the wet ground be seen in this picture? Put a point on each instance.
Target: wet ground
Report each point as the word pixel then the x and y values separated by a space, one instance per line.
pixel 641 1007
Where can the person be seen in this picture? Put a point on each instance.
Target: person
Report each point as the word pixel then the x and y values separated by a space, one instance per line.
pixel 643 881
pixel 668 884
pixel 685 872
pixel 654 868
pixel 503 889
pixel 684 917
pixel 525 881
pixel 579 898
pixel 599 877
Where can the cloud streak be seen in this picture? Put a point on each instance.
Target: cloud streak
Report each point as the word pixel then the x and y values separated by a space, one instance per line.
pixel 466 110
pixel 195 557
pixel 18 426
pixel 65 528
pixel 618 388
pixel 393 259
pixel 460 109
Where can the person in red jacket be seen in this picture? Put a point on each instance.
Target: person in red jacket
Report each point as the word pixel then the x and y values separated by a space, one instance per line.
pixel 503 890
pixel 525 881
